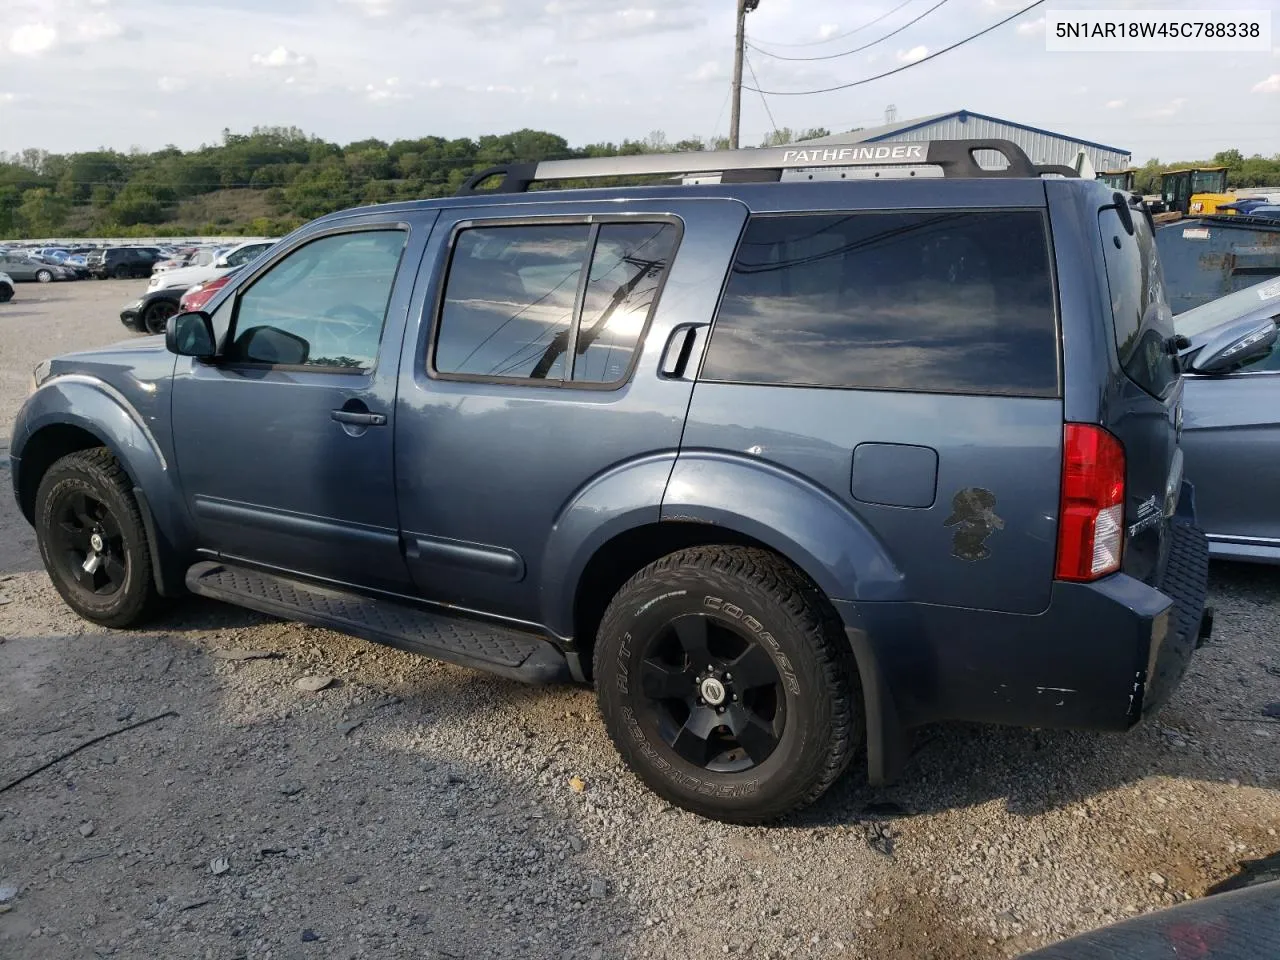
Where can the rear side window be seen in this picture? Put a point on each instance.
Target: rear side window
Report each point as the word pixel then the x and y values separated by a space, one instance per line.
pixel 939 302
pixel 517 306
pixel 1142 319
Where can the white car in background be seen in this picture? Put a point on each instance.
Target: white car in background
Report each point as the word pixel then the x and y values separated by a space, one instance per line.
pixel 201 258
pixel 229 260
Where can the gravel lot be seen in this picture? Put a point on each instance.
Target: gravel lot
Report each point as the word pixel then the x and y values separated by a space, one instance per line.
pixel 414 809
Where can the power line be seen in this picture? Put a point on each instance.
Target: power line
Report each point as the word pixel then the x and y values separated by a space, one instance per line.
pixel 908 66
pixel 847 33
pixel 763 98
pixel 865 46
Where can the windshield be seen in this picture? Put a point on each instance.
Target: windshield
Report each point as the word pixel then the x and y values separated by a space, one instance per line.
pixel 1140 310
pixel 1233 306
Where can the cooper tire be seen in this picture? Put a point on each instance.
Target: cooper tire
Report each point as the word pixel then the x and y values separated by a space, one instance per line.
pixel 44 276
pixel 83 496
pixel 748 599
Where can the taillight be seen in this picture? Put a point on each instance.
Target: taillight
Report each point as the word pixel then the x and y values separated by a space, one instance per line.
pixel 1091 517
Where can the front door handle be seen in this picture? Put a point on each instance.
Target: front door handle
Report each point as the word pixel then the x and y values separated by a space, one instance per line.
pixel 358 418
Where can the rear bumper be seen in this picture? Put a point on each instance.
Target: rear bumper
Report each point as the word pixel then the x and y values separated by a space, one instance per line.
pixel 1102 656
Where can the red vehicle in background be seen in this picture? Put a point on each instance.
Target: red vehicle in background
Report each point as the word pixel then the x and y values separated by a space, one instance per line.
pixel 196 297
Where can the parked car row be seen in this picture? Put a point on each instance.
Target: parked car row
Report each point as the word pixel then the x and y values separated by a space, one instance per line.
pixel 179 266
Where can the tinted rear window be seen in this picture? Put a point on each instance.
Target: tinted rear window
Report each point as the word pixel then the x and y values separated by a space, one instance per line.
pixel 1142 319
pixel 941 302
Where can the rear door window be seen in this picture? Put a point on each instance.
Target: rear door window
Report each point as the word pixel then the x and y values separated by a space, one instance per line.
pixel 1140 311
pixel 517 307
pixel 936 301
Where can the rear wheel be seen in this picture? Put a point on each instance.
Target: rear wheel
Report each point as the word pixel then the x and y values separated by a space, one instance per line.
pixel 6 293
pixel 157 315
pixel 92 540
pixel 724 682
pixel 44 276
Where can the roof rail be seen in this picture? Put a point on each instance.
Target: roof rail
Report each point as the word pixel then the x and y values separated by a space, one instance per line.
pixel 955 157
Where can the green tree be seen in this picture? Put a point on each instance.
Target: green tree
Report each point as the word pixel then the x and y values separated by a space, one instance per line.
pixel 42 212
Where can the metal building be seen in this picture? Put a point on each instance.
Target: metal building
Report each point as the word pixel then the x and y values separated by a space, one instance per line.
pixel 1042 146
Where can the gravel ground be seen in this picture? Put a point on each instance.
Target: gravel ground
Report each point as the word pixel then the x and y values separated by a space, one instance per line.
pixel 413 809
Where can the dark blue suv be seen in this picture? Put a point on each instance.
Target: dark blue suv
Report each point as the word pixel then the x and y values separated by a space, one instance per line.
pixel 787 465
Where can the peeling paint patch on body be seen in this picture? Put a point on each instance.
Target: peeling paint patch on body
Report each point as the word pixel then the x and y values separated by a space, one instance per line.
pixel 973 514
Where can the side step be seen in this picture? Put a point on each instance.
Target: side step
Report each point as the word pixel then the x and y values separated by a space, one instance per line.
pixel 468 643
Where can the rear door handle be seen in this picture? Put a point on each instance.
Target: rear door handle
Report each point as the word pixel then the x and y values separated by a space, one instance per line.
pixel 359 419
pixel 682 349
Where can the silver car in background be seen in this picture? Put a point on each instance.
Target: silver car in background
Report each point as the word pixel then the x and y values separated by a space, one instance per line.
pixel 1231 420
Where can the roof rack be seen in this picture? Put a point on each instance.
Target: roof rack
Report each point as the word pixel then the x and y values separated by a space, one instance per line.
pixel 956 158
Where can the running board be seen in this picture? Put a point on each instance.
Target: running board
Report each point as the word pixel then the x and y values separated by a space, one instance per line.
pixel 468 643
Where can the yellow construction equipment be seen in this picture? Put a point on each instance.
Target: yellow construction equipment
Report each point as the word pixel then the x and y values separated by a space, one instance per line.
pixel 1195 191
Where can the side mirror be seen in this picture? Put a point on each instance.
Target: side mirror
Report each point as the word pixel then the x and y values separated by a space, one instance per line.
pixel 191 335
pixel 1235 345
pixel 221 263
pixel 272 345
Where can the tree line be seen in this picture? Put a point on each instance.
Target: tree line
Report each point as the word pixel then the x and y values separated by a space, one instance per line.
pixel 286 177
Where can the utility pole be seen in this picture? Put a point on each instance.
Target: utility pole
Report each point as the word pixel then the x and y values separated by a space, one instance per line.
pixel 735 115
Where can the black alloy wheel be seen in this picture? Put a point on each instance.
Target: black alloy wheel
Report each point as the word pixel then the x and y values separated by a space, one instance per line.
pixel 92 539
pixel 87 541
pixel 712 693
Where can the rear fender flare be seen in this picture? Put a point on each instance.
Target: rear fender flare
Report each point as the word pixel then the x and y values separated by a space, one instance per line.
pixel 621 499
pixel 800 520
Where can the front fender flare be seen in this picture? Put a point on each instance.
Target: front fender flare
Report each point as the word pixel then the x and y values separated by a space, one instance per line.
pixel 100 410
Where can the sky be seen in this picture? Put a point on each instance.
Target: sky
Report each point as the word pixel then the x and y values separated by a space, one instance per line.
pixel 122 74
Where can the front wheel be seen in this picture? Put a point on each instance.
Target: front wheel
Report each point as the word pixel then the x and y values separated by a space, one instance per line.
pixel 157 316
pixel 92 540
pixel 6 293
pixel 725 683
pixel 44 276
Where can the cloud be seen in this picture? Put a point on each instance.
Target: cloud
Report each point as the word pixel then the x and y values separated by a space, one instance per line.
pixel 1115 104
pixel 373 8
pixel 559 60
pixel 708 72
pixel 281 57
pixel 97 27
pixel 171 84
pixel 1031 28
pixel 33 39
pixel 1269 85
pixel 914 54
pixel 1170 109
pixel 389 89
